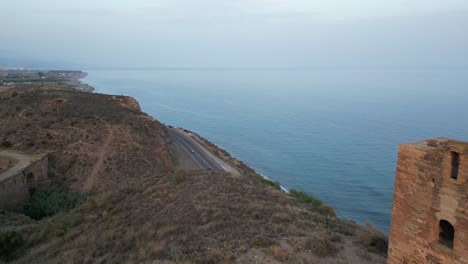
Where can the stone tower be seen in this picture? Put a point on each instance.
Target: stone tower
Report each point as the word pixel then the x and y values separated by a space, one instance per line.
pixel 430 203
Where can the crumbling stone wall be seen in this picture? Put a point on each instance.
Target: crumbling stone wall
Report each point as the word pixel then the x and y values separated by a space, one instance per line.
pixel 36 174
pixel 426 194
pixel 14 193
pixel 6 163
pixel 15 190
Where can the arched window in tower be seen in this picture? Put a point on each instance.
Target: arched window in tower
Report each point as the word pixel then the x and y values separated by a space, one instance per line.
pixel 455 165
pixel 446 233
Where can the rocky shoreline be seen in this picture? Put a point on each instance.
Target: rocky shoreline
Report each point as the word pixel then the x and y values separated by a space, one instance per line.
pixel 77 84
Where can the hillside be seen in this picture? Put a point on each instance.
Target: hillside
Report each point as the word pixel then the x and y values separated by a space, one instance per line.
pixel 95 141
pixel 139 208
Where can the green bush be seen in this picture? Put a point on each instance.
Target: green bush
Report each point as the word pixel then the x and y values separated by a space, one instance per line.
pixel 49 201
pixel 9 243
pixel 306 198
pixel 274 184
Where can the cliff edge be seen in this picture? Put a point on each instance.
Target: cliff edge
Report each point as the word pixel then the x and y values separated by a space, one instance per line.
pixel 139 208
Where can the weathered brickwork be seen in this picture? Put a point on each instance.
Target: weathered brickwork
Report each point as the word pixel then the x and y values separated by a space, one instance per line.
pixel 6 164
pixel 36 173
pixel 14 193
pixel 430 207
pixel 14 190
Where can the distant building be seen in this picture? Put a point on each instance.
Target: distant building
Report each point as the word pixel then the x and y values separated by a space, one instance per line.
pixel 430 203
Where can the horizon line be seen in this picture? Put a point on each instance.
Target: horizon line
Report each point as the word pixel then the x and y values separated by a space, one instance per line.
pixel 209 68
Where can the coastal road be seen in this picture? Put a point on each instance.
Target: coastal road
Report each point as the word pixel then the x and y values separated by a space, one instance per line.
pixel 196 152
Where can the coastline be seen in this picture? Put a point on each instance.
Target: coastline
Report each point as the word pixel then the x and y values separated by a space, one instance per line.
pixel 198 119
pixel 79 84
pixel 219 152
pixel 132 169
pixel 228 158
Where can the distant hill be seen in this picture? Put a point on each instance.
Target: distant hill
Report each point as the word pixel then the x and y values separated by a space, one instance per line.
pixel 74 127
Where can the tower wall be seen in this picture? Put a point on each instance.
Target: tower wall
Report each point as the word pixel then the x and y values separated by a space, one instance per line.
pixel 425 194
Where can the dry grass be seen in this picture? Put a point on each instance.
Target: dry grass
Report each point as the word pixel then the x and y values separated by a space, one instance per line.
pixel 73 127
pixel 207 217
pixel 279 253
pixel 322 246
pixel 373 239
pixel 142 211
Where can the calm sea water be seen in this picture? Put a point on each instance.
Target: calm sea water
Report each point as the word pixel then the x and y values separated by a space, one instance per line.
pixel 331 133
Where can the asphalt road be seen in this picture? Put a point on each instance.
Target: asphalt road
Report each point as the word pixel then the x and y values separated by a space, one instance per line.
pixel 193 150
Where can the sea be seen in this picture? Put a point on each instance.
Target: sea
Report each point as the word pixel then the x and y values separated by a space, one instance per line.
pixel 331 132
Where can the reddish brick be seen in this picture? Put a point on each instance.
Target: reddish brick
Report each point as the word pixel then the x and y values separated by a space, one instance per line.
pixel 425 194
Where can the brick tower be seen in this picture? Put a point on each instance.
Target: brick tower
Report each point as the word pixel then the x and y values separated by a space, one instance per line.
pixel 430 203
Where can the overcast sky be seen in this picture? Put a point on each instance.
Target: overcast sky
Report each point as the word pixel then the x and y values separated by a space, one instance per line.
pixel 237 33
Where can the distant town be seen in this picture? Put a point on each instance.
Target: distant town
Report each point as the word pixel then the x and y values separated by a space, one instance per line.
pixel 19 77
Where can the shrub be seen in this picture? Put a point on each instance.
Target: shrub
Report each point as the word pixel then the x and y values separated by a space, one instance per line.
pixel 9 243
pixel 274 184
pixel 379 244
pixel 279 253
pixel 344 228
pixel 374 240
pixel 59 232
pixel 260 241
pixel 321 247
pixel 327 210
pixel 50 228
pixel 49 201
pixel 306 198
pixel 180 176
pixel 6 144
pixel 336 238
pixel 10 132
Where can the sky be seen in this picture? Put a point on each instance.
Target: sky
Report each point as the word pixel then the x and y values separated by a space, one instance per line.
pixel 237 33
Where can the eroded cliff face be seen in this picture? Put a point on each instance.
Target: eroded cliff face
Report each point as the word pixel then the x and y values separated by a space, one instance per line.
pixel 128 102
pixel 94 141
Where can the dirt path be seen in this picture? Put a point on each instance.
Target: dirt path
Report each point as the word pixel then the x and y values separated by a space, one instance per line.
pixel 88 184
pixel 22 161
